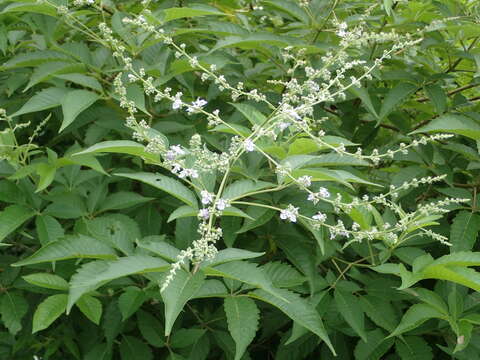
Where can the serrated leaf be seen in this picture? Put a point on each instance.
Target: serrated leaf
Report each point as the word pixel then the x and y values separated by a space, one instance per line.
pixel 452 123
pixel 165 183
pixel 181 289
pixel 132 348
pixel 94 274
pixel 48 229
pixel 71 247
pixel 230 254
pixel 414 348
pixel 283 275
pixel 297 309
pixel 150 328
pixel 42 100
pixel 47 70
pixel 48 311
pixel 74 103
pixel 380 311
pixel 395 97
pixel 81 79
pixel 91 307
pixel 245 272
pixel 239 188
pixel 438 97
pixel 416 315
pixel 12 217
pixel 174 13
pixel 254 116
pixel 46 280
pixel 160 247
pixel 375 347
pixel 350 309
pixel 242 319
pixel 122 200
pixel 120 147
pixel 464 231
pixel 130 301
pixel 13 307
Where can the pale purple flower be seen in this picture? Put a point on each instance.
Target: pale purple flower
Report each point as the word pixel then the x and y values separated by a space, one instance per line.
pixel 290 213
pixel 249 145
pixel 222 204
pixel 305 180
pixel 207 198
pixel 204 213
pixel 319 217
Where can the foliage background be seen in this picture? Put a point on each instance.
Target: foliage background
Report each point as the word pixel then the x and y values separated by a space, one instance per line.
pixel 58 82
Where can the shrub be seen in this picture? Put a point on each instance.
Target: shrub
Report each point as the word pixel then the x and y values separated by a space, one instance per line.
pixel 233 179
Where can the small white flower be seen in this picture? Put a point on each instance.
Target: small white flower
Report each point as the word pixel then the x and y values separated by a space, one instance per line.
pixel 222 204
pixel 305 180
pixel 283 125
pixel 196 106
pixel 290 213
pixel 188 173
pixel 355 226
pixel 320 217
pixel 177 104
pixel 173 152
pixel 249 145
pixel 207 198
pixel 323 192
pixel 204 213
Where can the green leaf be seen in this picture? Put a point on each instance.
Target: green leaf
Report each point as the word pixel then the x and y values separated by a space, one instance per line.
pixel 130 301
pixel 132 348
pixel 452 123
pixel 187 211
pixel 283 275
pixel 91 307
pixel 254 116
pixel 48 229
pixel 350 309
pixel 181 288
pixel 94 274
pixel 43 8
pixel 165 183
pixel 46 280
pixel 158 246
pixel 395 97
pixel 245 272
pixel 375 347
pixel 261 216
pixel 81 79
pixel 47 70
pixel 122 200
pixel 438 97
pixel 13 307
pixel 44 99
pixel 416 315
pixel 239 188
pixel 230 254
pixel 363 94
pixel 72 247
pixel 150 328
pixel 120 147
pixel 242 319
pixel 12 217
pixel 297 309
pixel 414 348
pixel 74 103
pixel 380 311
pixel 464 231
pixel 48 311
pixel 174 13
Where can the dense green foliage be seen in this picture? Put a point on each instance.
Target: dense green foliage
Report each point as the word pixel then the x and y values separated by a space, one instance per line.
pixel 91 219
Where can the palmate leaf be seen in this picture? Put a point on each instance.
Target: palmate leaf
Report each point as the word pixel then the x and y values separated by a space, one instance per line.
pixel 242 319
pixel 413 348
pixel 165 183
pixel 72 247
pixel 158 246
pixel 181 289
pixel 375 347
pixel 296 309
pixel 132 348
pixel 97 273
